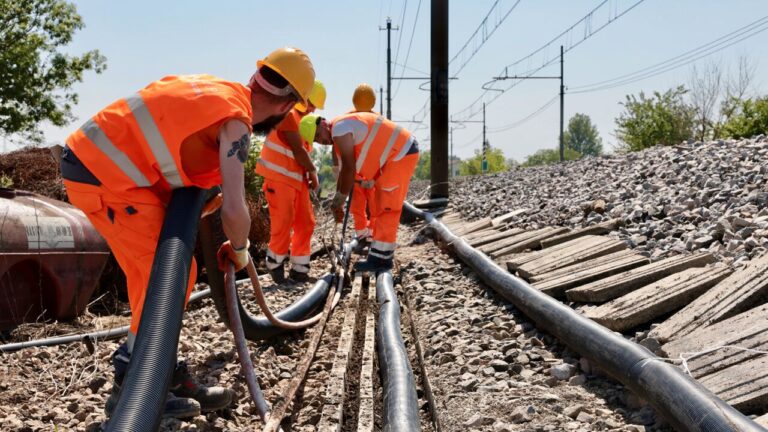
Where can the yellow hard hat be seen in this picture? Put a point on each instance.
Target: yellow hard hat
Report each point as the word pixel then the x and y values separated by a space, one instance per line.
pixel 293 65
pixel 364 98
pixel 316 97
pixel 308 127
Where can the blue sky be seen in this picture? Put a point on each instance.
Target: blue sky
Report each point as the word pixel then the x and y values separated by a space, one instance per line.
pixel 145 40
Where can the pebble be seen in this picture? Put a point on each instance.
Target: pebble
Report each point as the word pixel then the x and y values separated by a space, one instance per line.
pixel 710 188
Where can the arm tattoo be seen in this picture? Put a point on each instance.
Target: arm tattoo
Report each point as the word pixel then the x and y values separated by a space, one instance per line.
pixel 240 148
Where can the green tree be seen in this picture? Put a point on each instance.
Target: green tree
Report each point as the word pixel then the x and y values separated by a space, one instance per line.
pixel 582 136
pixel 750 118
pixel 663 119
pixel 36 79
pixel 474 165
pixel 322 157
pixel 550 156
pixel 423 168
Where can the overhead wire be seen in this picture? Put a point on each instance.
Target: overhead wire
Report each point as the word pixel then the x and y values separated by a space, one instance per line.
pixel 410 44
pixel 400 36
pixel 525 119
pixel 485 35
pixel 565 38
pixel 680 60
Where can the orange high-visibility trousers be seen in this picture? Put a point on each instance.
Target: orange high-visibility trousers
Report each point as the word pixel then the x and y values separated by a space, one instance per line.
pixel 389 193
pixel 361 199
pixel 289 210
pixel 131 228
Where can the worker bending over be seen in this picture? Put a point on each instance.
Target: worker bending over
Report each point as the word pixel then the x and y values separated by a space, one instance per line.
pixel 123 164
pixel 364 99
pixel 289 174
pixel 383 156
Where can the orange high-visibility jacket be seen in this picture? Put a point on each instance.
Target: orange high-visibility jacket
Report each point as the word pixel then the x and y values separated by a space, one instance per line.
pixel 383 142
pixel 136 141
pixel 277 161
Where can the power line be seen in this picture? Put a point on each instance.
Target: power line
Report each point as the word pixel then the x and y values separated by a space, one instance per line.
pixel 400 37
pixel 379 50
pixel 410 43
pixel 523 120
pixel 680 60
pixel 471 141
pixel 569 38
pixel 411 68
pixel 483 36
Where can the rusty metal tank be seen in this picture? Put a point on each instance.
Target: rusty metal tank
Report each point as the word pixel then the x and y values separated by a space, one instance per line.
pixel 51 258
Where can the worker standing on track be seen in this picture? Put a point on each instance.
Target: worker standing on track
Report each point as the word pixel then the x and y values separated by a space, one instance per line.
pixel 289 174
pixel 383 155
pixel 364 99
pixel 122 165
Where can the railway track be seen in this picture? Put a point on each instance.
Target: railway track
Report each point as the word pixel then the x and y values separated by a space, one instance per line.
pixel 478 363
pixel 689 310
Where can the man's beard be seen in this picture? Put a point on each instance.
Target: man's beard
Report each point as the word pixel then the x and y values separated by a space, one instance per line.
pixel 265 126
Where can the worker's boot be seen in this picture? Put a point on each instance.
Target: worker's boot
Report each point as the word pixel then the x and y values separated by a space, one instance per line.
pixel 363 241
pixel 373 264
pixel 185 386
pixel 298 276
pixel 175 407
pixel 363 244
pixel 276 270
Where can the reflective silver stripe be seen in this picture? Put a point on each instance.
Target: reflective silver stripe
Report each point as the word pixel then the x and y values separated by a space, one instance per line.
pixel 367 144
pixel 97 136
pixel 378 255
pixel 278 148
pixel 301 259
pixel 404 150
pixel 281 170
pixel 383 246
pixel 390 144
pixel 278 259
pixel 155 140
pixel 300 268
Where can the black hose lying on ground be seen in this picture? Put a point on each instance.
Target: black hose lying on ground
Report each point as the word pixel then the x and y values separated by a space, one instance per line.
pixel 685 403
pixel 144 389
pixel 255 328
pixel 401 405
pixel 94 337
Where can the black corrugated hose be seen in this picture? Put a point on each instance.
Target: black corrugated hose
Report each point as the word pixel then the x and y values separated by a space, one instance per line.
pixel 255 328
pixel 401 405
pixel 144 389
pixel 683 402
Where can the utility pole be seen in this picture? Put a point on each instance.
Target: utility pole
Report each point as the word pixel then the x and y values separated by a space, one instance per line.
pixel 485 145
pixel 562 95
pixel 450 157
pixel 439 98
pixel 562 103
pixel 381 100
pixel 389 29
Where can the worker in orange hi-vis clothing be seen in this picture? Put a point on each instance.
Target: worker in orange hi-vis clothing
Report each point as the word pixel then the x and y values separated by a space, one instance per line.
pixel 289 174
pixel 384 155
pixel 363 99
pixel 121 167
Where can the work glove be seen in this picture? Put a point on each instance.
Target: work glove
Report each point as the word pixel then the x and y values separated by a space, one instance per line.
pixel 337 207
pixel 238 257
pixel 212 205
pixel 367 184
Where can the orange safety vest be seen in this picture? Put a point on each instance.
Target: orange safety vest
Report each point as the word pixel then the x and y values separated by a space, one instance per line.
pixel 277 161
pixel 136 141
pixel 383 142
